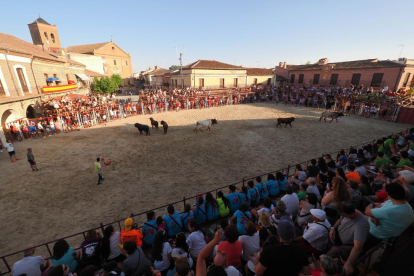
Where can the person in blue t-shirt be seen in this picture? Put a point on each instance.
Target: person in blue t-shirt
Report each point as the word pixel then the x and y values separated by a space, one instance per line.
pixel 342 159
pixel 243 195
pixel 262 188
pixel 242 217
pixel 234 199
pixel 200 211
pixel 282 180
pixel 187 216
pixel 272 185
pixel 150 228
pixel 211 207
pixel 173 221
pixel 252 193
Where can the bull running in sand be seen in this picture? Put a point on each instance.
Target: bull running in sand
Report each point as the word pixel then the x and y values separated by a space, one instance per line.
pixel 205 124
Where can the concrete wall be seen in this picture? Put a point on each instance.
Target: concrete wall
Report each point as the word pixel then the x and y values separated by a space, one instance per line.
pixel 93 63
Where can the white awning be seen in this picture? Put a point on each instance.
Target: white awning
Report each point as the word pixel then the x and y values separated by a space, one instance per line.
pixel 83 77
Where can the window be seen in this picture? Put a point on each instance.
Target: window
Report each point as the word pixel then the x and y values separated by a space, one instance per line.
pixel 45 33
pixel 2 90
pixel 377 79
pixel 114 61
pixel 334 79
pixel 355 79
pixel 52 36
pixel 113 48
pixel 22 80
pixel 292 78
pixel 255 81
pixel 222 83
pixel 201 82
pixel 235 82
pixel 407 78
pixel 316 78
pixel 176 82
pixel 301 78
pixel 126 63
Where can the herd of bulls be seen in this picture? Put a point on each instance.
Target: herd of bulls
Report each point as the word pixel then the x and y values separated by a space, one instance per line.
pixel 207 124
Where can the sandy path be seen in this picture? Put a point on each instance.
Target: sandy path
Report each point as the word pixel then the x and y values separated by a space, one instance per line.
pixel 150 171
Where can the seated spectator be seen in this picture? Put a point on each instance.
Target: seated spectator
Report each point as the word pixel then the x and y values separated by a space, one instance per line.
pixel 299 176
pixel 406 178
pixel 312 188
pixel 111 268
pixel 130 234
pixel 267 229
pixel 272 185
pixel 359 168
pixel 284 258
pixel 223 204
pixel 161 225
pixel 267 207
pixel 316 234
pixel 390 219
pixel 281 180
pixel 195 240
pixel 30 265
pixel 161 252
pixel 200 211
pixel 136 258
pixel 321 183
pixel 389 147
pixel 253 195
pixel 305 215
pixel 243 194
pixel 312 170
pixel 250 242
pixel 220 266
pixel 326 266
pixel 233 198
pixel 380 161
pixel 352 156
pixel 211 207
pixel 91 270
pixel 356 195
pixel 404 161
pixel 231 247
pixel 339 193
pixel 302 191
pixel 241 217
pixel 348 235
pixel 339 172
pixel 60 270
pixel 149 229
pixel 365 186
pixel 291 201
pixel 183 267
pixel 342 160
pixel 181 249
pixel 352 174
pixel 262 188
pixel 279 212
pixel 187 216
pixel 91 249
pixel 63 254
pixel 110 249
pixel 173 221
pixel 323 168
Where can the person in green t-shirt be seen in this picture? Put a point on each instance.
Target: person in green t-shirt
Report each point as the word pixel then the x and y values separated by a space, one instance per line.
pixel 381 161
pixel 302 191
pixel 404 161
pixel 223 204
pixel 389 147
pixel 98 169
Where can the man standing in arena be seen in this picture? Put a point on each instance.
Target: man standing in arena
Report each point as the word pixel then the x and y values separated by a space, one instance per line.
pixel 98 170
pixel 31 160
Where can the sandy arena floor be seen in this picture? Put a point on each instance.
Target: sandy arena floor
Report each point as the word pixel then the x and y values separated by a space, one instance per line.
pixel 147 172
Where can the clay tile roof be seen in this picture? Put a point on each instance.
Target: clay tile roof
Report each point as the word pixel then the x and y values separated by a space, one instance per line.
pixel 85 49
pixel 93 73
pixel 259 72
pixel 71 61
pixel 159 71
pixel 14 44
pixel 40 20
pixel 355 64
pixel 210 64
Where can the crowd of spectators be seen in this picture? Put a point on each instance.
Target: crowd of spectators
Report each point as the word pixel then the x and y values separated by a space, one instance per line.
pixel 319 221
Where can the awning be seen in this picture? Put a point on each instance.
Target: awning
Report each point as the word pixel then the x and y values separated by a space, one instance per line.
pixel 52 79
pixel 83 77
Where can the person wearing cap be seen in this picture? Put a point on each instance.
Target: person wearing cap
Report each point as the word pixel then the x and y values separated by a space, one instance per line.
pixel 348 235
pixel 285 258
pixel 129 234
pixel 316 234
pixel 389 219
pixel 30 265
pixel 406 178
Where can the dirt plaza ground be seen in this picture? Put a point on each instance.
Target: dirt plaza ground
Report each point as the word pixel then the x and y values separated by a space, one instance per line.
pixel 149 171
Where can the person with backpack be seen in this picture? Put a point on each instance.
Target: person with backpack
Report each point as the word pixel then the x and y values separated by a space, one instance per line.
pixel 262 188
pixel 149 229
pixel 241 217
pixel 173 221
pixel 187 216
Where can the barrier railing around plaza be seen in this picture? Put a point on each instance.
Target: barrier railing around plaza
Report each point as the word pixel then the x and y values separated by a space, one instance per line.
pixel 44 249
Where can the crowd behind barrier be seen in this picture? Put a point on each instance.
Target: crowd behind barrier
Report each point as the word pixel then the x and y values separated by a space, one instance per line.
pixel 374 179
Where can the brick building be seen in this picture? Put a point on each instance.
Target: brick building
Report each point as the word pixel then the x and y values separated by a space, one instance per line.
pixel 370 72
pixel 44 35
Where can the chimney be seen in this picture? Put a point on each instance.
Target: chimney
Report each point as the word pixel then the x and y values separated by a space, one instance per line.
pixel 280 64
pixel 323 61
pixel 284 65
pixel 156 67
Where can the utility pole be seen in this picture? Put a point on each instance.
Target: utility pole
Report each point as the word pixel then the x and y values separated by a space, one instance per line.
pixel 181 71
pixel 402 47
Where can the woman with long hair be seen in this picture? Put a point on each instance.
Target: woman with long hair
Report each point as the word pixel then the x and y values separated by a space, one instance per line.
pixel 211 207
pixel 200 210
pixel 161 252
pixel 365 186
pixel 110 249
pixel 281 180
pixel 181 248
pixel 356 195
pixel 63 254
pixel 223 204
pixel 338 193
pixel 323 168
pixel 340 173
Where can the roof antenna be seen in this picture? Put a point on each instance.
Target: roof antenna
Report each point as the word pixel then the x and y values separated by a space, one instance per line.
pixel 112 39
pixel 402 47
pixel 39 15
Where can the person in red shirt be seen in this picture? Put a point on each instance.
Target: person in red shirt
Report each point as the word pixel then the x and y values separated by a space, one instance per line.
pixel 129 234
pixel 232 247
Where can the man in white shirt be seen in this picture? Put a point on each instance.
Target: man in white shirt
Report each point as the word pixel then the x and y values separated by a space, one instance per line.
pixel 10 150
pixel 291 201
pixel 32 266
pixel 359 168
pixel 312 188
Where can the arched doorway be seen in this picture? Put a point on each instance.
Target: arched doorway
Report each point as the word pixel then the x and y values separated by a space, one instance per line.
pixel 30 112
pixel 8 116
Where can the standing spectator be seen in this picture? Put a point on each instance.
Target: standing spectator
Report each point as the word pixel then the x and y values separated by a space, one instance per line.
pixel 187 216
pixel 173 221
pixel 91 249
pixel 136 258
pixel 149 229
pixel 131 234
pixel 285 258
pixel 391 219
pixel 195 240
pixel 11 151
pixel 232 247
pixel 233 198
pixel 98 170
pixel 291 201
pixel 241 217
pixel 110 249
pixel 31 160
pixel 30 265
pixel 161 252
pixel 250 242
pixel 223 204
pixel 312 188
pixel 349 235
pixel 63 254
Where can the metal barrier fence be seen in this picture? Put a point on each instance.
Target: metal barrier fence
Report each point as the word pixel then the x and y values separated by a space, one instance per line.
pixel 140 218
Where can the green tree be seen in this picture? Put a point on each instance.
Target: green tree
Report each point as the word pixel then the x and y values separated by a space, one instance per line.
pixel 105 85
pixel 174 67
pixel 117 80
pixel 308 62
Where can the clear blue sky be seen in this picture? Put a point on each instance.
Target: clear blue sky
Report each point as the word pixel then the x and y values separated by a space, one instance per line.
pixel 249 33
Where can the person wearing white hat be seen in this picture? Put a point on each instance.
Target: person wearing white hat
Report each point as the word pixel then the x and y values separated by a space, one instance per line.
pixel 316 234
pixel 406 179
